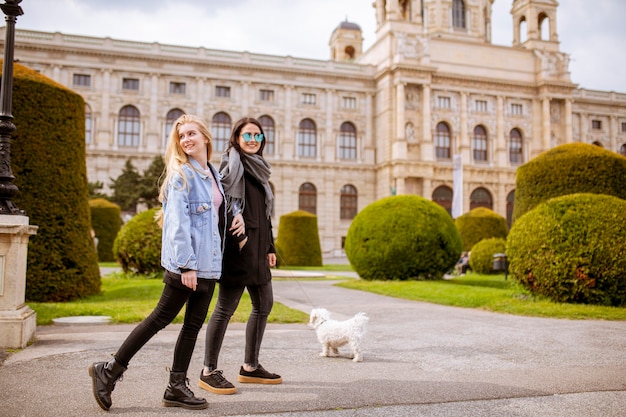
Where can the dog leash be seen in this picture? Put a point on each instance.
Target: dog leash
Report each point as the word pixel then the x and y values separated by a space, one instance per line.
pixel 291 276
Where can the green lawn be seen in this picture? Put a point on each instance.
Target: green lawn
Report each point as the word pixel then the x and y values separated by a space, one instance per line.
pixel 128 299
pixel 485 292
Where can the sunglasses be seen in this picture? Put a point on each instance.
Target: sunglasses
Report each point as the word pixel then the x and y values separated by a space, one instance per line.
pixel 247 137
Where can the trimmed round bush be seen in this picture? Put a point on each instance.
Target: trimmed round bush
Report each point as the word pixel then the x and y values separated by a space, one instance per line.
pixel 478 224
pixel 481 258
pixel 568 169
pixel 106 222
pixel 402 237
pixel 572 249
pixel 298 241
pixel 138 244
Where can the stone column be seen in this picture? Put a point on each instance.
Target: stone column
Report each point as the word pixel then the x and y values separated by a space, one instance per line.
pixel 17 321
pixel 426 140
pixel 545 133
pixel 568 121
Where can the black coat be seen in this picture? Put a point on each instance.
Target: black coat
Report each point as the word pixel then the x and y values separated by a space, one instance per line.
pixel 250 265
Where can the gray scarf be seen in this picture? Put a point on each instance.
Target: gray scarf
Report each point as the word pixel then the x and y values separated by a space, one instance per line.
pixel 232 167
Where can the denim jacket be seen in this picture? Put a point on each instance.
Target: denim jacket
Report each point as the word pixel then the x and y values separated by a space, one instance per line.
pixel 191 236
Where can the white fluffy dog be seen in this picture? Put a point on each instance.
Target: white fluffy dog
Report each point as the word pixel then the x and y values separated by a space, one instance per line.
pixel 333 334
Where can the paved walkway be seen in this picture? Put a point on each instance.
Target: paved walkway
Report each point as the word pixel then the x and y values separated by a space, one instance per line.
pixel 419 359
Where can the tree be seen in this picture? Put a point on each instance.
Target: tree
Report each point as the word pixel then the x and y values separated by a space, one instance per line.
pixel 126 187
pixel 150 182
pixel 94 190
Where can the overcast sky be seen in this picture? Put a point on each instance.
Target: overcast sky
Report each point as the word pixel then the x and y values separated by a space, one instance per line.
pixel 592 32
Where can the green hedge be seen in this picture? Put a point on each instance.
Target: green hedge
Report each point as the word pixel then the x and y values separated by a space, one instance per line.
pixel 569 169
pixel 572 249
pixel 298 241
pixel 402 237
pixel 481 258
pixel 48 162
pixel 137 247
pixel 106 222
pixel 478 224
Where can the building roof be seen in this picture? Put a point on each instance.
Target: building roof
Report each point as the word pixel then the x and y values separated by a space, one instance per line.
pixel 348 25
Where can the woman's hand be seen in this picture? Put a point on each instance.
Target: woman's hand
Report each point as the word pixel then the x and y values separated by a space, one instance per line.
pixel 189 279
pixel 271 259
pixel 238 226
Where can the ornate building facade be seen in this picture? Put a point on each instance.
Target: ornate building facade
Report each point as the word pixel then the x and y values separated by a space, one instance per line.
pixel 430 98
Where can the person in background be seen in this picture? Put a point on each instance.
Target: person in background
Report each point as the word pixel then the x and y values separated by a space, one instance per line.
pixel 193 218
pixel 247 259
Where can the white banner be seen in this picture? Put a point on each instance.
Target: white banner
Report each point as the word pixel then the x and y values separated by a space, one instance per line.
pixel 457 191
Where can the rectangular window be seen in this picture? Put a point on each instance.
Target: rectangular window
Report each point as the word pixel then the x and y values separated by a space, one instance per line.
pixel 517 109
pixel 349 103
pixel 82 80
pixel 443 102
pixel 266 95
pixel 177 88
pixel 308 98
pixel 222 91
pixel 624 127
pixel 596 124
pixel 130 84
pixel 481 106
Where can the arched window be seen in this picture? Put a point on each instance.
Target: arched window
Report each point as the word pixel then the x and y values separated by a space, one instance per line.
pixel 405 9
pixel 307 139
pixel 442 141
pixel 523 30
pixel 220 129
pixel 479 144
pixel 350 52
pixel 347 141
pixel 88 125
pixel 598 144
pixel 622 150
pixel 270 134
pixel 544 27
pixel 307 198
pixel 516 147
pixel 443 196
pixel 348 202
pixel 170 118
pixel 128 127
pixel 458 14
pixel 481 197
pixel 510 205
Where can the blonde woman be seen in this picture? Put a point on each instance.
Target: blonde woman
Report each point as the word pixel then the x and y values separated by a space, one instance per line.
pixel 193 218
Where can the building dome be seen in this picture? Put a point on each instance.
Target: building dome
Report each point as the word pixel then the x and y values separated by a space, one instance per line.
pixel 348 25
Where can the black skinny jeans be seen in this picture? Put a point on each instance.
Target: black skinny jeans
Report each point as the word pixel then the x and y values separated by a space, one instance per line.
pixel 172 301
pixel 262 298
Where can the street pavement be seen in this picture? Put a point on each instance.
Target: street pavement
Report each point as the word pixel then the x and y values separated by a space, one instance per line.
pixel 420 359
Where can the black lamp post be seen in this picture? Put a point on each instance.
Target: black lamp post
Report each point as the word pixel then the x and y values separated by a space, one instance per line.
pixel 8 190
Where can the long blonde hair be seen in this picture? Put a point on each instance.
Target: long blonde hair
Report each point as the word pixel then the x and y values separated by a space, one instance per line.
pixel 175 156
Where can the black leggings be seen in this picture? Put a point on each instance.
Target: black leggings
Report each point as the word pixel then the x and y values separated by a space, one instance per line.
pixel 262 298
pixel 172 300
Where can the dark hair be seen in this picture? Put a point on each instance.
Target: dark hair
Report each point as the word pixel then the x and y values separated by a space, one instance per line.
pixel 234 136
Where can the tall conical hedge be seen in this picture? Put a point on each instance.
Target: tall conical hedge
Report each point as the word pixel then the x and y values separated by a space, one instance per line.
pixel 106 222
pixel 48 162
pixel 298 241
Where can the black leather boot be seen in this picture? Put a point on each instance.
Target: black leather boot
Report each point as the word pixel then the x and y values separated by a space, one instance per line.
pixel 178 394
pixel 104 375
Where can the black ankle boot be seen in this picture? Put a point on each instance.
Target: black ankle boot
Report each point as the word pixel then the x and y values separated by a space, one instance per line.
pixel 178 393
pixel 104 375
